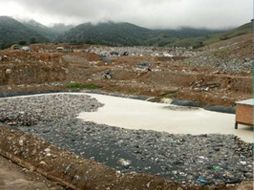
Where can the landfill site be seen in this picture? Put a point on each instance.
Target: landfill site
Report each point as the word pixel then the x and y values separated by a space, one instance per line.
pixel 96 117
pixel 219 74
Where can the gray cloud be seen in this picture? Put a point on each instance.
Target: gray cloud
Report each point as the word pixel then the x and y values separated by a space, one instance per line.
pixel 148 13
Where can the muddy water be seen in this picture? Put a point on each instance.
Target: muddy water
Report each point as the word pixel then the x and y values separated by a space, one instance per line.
pixel 138 114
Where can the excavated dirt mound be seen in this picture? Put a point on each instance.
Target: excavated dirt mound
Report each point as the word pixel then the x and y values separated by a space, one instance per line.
pixel 219 74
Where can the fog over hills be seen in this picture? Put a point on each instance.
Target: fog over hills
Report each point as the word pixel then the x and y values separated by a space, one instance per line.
pixel 12 31
pixel 50 33
pixel 119 34
pixel 110 33
pixel 162 14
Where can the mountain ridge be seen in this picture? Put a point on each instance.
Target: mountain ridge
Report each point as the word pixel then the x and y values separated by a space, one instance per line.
pixel 13 31
pixel 111 33
pixel 50 32
pixel 124 33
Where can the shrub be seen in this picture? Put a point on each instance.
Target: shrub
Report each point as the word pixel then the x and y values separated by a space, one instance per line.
pixel 75 85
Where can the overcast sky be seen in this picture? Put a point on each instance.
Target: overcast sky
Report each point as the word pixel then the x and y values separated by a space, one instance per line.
pixel 147 13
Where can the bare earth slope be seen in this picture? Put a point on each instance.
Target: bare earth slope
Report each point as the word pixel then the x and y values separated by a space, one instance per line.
pixel 14 177
pixel 218 74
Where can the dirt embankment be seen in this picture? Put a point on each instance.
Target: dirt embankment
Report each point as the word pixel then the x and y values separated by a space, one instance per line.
pixel 215 75
pixel 19 68
pixel 207 88
pixel 75 173
pixel 14 177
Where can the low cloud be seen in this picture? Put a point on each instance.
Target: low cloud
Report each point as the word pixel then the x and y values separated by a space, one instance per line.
pixel 148 13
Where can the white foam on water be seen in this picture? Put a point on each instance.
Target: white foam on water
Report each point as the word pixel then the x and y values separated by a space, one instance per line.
pixel 137 114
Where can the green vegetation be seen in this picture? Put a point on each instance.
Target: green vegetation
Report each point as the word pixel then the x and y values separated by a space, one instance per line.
pixel 12 31
pixel 110 33
pixel 50 33
pixel 126 34
pixel 22 43
pixel 77 86
pixel 121 34
pixel 244 29
pixel 40 29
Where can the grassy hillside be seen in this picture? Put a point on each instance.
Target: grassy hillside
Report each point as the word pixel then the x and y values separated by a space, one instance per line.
pixel 113 34
pixel 50 33
pixel 107 33
pixel 126 34
pixel 184 37
pixel 12 31
pixel 244 29
pixel 41 29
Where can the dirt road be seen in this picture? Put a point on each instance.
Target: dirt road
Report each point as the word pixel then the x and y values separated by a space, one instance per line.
pixel 13 177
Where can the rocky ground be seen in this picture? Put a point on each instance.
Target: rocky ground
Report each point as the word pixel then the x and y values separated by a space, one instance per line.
pixel 217 74
pixel 231 56
pixel 206 159
pixel 44 109
pixel 141 51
